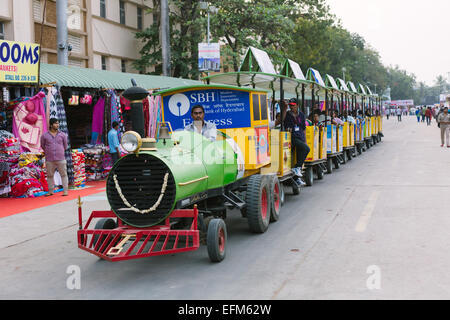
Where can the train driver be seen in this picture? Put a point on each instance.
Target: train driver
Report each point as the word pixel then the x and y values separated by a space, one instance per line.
pixel 199 125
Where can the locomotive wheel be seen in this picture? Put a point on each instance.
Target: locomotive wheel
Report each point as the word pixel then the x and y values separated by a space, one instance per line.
pixel 276 203
pixel 216 240
pixel 319 173
pixel 104 223
pixel 329 165
pixel 258 204
pixel 309 176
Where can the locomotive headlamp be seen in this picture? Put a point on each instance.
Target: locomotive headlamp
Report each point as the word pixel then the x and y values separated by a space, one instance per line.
pixel 131 141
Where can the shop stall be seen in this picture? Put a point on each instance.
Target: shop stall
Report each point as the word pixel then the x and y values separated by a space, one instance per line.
pixel 22 121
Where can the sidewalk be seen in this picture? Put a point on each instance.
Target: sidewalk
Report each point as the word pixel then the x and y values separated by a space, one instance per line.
pixel 11 206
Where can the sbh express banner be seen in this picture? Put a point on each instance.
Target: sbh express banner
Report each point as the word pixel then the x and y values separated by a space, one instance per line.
pixel 225 108
pixel 19 62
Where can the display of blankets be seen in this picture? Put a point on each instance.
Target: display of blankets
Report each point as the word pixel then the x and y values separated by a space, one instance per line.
pixel 30 123
pixel 61 115
pixel 97 120
pixel 5 186
pixel 79 173
pixel 9 145
pixel 27 181
pixel 94 157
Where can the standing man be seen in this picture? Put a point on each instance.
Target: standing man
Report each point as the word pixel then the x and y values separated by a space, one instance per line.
pixel 199 125
pixel 295 122
pixel 399 114
pixel 54 143
pixel 444 123
pixel 428 115
pixel 113 142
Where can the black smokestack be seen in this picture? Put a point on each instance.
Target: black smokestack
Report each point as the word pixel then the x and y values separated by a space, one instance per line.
pixel 136 94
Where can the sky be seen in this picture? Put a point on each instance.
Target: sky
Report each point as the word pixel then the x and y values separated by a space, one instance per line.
pixel 413 34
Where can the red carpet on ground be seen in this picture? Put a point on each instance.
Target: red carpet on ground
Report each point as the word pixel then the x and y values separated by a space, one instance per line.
pixel 10 206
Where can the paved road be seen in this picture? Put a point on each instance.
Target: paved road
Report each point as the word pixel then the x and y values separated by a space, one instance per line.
pixel 377 228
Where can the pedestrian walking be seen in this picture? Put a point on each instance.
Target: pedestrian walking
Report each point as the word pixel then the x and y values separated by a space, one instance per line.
pixel 399 114
pixel 418 114
pixel 428 115
pixel 388 112
pixel 113 142
pixel 444 123
pixel 54 144
pixel 424 108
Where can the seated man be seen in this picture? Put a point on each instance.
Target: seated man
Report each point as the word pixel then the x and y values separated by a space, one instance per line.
pixel 199 125
pixel 294 122
pixel 336 120
pixel 348 118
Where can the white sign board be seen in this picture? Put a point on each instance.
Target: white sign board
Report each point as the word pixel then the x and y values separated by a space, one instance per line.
pixel 342 85
pixel 332 82
pixel 209 57
pixel 263 60
pixel 317 77
pixel 296 70
pixel 402 103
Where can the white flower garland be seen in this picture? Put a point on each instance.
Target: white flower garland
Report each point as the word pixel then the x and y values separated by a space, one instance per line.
pixel 153 208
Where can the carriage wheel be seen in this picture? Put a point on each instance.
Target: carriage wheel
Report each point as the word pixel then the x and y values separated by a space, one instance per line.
pixel 319 172
pixel 276 203
pixel 216 240
pixel 309 176
pixel 258 204
pixel 329 165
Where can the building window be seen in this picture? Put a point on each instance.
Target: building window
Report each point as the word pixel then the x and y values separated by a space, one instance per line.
pixel 139 18
pixel 2 31
pixel 103 63
pixel 122 12
pixel 124 65
pixel 103 8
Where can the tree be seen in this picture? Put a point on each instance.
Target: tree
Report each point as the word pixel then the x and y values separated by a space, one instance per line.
pixel 185 33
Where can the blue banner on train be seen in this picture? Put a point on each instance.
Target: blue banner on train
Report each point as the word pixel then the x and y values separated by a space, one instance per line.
pixel 226 108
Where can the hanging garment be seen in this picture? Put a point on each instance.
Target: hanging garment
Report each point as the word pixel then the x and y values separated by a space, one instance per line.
pixel 61 116
pixel 30 123
pixel 154 114
pixel 115 110
pixel 146 107
pixel 97 120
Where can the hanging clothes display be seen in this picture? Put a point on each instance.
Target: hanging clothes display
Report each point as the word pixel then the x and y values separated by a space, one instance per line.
pixel 146 107
pixel 61 116
pixel 154 114
pixel 97 121
pixel 116 114
pixel 30 123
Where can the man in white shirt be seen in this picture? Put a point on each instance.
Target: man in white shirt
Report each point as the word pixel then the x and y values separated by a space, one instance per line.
pixel 199 125
pixel 399 114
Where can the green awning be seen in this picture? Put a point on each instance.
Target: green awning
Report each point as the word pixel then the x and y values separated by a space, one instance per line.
pixel 75 77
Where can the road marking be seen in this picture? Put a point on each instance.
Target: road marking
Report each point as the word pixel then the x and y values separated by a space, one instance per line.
pixel 367 213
